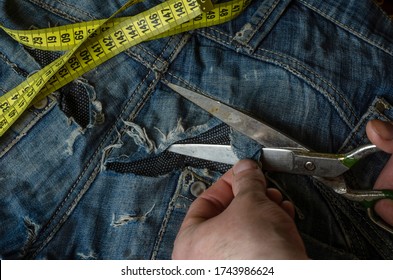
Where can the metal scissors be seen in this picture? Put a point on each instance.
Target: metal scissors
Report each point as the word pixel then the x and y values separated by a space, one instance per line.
pixel 287 155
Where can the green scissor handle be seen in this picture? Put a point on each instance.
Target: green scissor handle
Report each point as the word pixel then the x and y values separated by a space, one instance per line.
pixel 368 199
pixel 378 221
pixel 351 158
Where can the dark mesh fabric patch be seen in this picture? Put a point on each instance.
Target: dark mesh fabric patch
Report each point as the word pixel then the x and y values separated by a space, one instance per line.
pixel 74 98
pixel 168 161
pixel 43 57
pixel 75 103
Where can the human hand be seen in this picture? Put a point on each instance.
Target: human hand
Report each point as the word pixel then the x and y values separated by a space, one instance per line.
pixel 238 218
pixel 381 134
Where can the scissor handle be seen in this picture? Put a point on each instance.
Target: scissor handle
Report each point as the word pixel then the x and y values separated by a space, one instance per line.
pixel 351 158
pixel 378 221
pixel 368 199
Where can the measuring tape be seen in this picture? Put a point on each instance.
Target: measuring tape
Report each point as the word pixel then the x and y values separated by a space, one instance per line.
pixel 89 44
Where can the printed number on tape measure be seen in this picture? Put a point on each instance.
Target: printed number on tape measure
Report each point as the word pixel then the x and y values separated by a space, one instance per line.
pixel 89 44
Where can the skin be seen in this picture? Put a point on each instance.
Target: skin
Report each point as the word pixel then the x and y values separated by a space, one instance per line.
pixel 239 218
pixel 381 134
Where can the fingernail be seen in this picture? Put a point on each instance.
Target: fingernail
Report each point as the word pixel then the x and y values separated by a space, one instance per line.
pixel 244 165
pixel 383 129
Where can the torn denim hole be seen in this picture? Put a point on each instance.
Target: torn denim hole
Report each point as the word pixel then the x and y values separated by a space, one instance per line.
pixel 173 134
pixel 78 99
pixel 166 162
pixel 32 231
pixel 90 256
pixel 70 142
pixel 124 219
pixel 140 137
pixel 107 150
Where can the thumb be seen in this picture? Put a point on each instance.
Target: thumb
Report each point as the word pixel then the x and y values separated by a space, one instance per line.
pixel 380 133
pixel 248 177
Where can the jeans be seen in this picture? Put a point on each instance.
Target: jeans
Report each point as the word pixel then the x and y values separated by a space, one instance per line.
pixel 85 173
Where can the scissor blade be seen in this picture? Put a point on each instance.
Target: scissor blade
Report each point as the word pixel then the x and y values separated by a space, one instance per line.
pixel 272 159
pixel 255 129
pixel 217 153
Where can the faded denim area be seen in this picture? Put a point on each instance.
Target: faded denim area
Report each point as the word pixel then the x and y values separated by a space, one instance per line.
pixel 85 174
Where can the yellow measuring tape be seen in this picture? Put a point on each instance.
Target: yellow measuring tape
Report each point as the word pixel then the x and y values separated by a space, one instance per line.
pixel 89 44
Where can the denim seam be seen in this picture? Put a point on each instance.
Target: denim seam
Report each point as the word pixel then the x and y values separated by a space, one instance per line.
pixel 144 98
pixel 55 11
pixel 365 220
pixel 140 59
pixel 70 209
pixel 354 236
pixel 179 46
pixel 383 12
pixel 160 58
pixel 371 226
pixel 185 82
pixel 148 90
pixel 333 203
pixel 168 215
pixel 186 198
pixel 315 74
pixel 153 83
pixel 119 119
pixel 300 75
pixel 81 175
pixel 136 57
pixel 76 8
pixel 336 251
pixel 348 28
pixel 14 66
pixel 379 115
pixel 355 132
pixel 259 25
pixel 210 36
pixel 27 127
pixel 171 207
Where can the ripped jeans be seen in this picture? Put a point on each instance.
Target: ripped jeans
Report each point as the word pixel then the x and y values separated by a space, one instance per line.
pixel 85 174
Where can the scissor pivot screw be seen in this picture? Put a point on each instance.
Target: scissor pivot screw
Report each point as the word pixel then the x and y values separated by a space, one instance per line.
pixel 310 166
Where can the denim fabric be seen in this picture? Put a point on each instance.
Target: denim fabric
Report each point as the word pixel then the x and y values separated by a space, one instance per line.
pixel 72 184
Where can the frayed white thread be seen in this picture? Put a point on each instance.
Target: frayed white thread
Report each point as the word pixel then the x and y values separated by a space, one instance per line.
pixel 122 220
pixel 140 137
pixel 174 134
pixel 71 141
pixel 107 150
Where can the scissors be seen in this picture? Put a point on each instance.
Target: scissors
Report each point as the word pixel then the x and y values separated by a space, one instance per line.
pixel 286 156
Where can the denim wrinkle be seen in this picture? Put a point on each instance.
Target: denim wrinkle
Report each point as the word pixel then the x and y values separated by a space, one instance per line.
pixel 71 187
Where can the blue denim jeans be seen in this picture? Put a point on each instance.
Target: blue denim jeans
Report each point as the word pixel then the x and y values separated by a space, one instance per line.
pixel 85 174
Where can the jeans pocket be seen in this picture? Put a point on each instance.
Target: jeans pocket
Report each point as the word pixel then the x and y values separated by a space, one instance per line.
pixel 364 173
pixel 264 16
